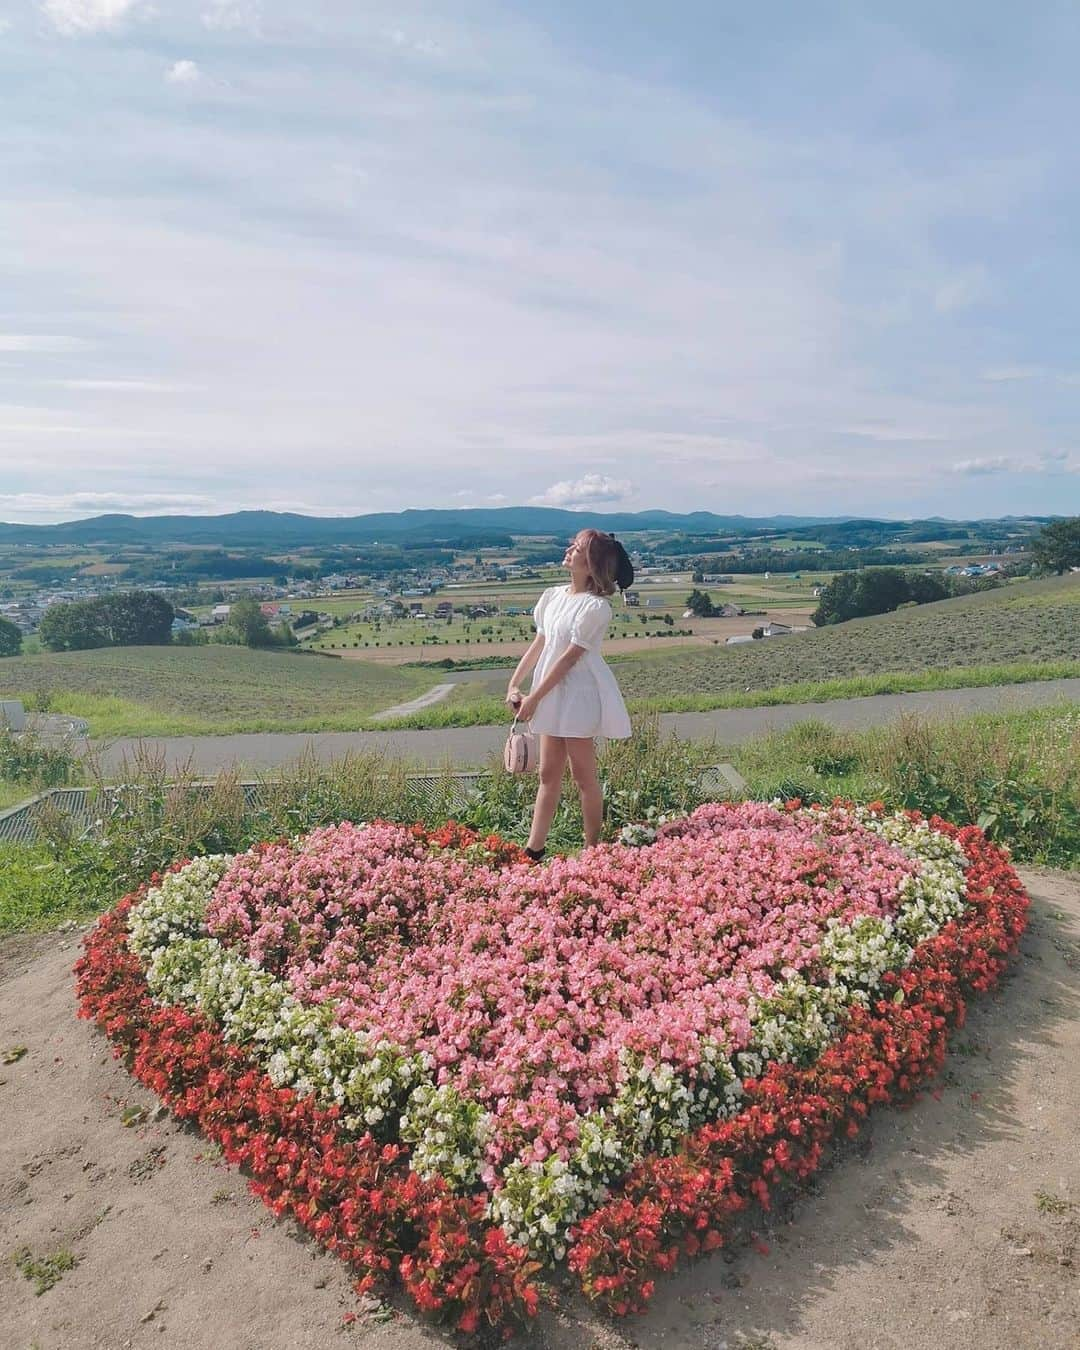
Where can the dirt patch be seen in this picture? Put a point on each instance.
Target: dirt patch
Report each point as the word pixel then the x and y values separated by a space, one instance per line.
pixel 955 1223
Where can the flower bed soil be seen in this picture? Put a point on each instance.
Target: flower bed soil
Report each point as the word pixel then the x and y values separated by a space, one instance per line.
pixel 359 1196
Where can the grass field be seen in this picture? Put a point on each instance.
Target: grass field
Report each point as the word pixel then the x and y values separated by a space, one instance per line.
pixel 1033 622
pixel 191 691
pixel 1029 631
pixel 1022 632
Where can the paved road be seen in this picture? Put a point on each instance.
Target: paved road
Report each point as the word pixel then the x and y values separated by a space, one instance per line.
pixel 465 747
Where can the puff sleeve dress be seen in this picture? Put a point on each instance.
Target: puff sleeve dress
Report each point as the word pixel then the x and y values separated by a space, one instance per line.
pixel 586 702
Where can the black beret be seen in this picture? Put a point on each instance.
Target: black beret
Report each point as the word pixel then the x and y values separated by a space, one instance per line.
pixel 624 568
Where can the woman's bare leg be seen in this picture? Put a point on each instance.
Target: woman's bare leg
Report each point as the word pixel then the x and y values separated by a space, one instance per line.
pixel 582 755
pixel 552 767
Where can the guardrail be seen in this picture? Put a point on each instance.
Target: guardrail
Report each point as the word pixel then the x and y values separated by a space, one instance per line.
pixel 84 805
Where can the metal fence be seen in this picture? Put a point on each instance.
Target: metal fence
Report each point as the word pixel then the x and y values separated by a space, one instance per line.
pixel 84 805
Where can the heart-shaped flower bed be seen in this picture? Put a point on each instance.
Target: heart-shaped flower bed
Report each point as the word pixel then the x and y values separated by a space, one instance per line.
pixel 459 1068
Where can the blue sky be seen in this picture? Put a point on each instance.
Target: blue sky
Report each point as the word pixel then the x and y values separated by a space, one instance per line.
pixel 342 257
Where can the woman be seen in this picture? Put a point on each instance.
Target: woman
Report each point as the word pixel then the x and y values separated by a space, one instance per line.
pixel 573 697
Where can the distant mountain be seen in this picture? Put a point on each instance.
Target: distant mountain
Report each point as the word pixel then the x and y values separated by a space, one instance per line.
pixel 270 528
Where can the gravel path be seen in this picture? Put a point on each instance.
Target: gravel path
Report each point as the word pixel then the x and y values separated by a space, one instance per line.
pixel 464 747
pixel 435 695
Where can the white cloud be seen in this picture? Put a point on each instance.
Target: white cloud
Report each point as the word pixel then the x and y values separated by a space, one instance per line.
pixel 41 503
pixel 883 430
pixel 127 386
pixel 183 72
pixel 233 16
pixel 589 490
pixel 404 41
pixel 1052 461
pixel 5 25
pixel 1006 374
pixel 986 464
pixel 72 17
pixel 39 342
pixel 962 291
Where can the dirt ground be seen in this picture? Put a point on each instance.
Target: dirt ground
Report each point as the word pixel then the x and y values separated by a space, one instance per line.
pixel 705 633
pixel 949 1225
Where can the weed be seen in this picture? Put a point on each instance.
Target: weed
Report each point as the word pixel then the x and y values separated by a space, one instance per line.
pixel 1048 1203
pixel 45 1271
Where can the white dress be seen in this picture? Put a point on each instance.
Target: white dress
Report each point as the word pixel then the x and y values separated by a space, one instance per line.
pixel 586 701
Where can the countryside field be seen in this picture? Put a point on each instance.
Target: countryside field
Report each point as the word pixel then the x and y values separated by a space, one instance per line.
pixel 1030 622
pixel 1030 630
pixel 130 691
pixel 663 595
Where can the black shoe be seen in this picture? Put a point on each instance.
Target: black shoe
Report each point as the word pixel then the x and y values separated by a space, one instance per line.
pixel 535 853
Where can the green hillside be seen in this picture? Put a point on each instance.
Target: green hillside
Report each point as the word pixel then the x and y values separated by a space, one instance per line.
pixel 1029 622
pixel 207 690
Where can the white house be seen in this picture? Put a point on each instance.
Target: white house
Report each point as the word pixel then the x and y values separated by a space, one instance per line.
pixel 220 613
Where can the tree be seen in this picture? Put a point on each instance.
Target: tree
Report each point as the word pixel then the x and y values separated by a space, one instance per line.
pixel 881 589
pixel 127 619
pixel 1057 547
pixel 837 601
pixel 250 624
pixel 10 638
pixel 701 604
pixel 74 627
pixel 138 619
pixel 924 588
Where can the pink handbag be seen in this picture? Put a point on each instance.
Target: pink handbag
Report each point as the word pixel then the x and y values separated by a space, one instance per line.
pixel 521 754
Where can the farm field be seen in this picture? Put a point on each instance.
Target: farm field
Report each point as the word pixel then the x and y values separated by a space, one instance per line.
pixel 1006 635
pixel 624 642
pixel 663 602
pixel 1029 622
pixel 1028 631
pixel 131 691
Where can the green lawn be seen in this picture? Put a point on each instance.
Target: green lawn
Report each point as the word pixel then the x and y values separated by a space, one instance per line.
pixel 214 690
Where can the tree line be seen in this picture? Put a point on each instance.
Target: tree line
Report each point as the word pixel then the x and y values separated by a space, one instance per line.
pixel 855 595
pixel 139 619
